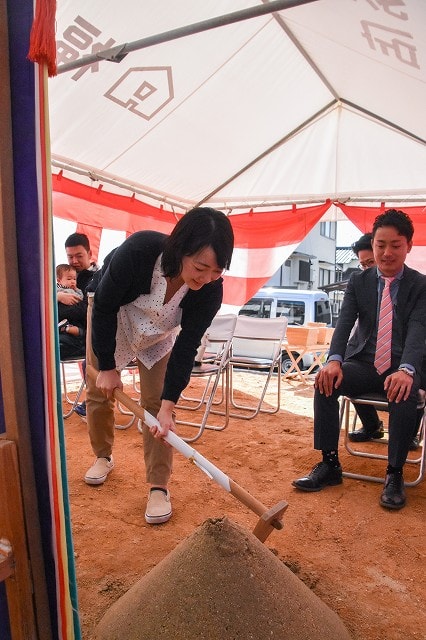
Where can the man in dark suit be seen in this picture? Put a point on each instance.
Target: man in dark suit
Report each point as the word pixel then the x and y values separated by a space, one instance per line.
pixel 351 370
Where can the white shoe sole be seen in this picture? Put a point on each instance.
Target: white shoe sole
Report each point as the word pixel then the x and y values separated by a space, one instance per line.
pixel 94 481
pixel 158 519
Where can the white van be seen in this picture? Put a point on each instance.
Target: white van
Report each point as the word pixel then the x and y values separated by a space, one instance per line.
pixel 300 306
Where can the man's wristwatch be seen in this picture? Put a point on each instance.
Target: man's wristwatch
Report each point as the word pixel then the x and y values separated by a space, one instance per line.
pixel 408 371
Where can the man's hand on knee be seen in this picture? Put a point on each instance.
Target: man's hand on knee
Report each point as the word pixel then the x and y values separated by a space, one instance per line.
pixel 398 386
pixel 329 377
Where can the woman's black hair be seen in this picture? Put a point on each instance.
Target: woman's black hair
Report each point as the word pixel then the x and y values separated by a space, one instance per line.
pixel 199 228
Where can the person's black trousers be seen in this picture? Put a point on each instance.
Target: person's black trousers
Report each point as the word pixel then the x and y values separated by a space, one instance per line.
pixel 360 378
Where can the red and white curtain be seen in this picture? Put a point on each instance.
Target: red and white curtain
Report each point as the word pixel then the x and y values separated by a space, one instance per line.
pixel 363 218
pixel 263 240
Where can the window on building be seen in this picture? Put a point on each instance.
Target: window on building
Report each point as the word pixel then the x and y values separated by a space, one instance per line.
pixel 328 229
pixel 325 277
pixel 304 271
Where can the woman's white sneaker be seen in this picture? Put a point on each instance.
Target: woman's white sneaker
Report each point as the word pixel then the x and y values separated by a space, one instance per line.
pixel 97 474
pixel 158 508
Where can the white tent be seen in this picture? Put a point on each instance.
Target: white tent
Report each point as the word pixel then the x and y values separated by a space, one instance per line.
pixel 321 100
pixel 254 113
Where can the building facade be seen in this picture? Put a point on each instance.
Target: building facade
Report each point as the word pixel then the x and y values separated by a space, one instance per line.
pixel 312 265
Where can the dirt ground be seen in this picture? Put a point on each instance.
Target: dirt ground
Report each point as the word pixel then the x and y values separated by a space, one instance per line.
pixel 366 563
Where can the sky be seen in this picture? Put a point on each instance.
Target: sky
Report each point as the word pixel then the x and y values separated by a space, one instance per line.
pixel 347 233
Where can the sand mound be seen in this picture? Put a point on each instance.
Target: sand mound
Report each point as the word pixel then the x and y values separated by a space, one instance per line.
pixel 220 583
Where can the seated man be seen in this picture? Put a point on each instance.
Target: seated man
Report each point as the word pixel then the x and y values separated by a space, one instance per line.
pixel 372 426
pixel 384 354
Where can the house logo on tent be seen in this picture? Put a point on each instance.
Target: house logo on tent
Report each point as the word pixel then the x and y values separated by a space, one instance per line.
pixel 143 90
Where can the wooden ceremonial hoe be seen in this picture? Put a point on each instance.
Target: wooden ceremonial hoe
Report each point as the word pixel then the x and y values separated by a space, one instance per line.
pixel 269 519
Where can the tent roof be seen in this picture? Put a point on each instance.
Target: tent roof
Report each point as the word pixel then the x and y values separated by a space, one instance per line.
pixel 322 100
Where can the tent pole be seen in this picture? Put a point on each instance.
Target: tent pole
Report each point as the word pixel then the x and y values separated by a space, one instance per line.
pixel 265 153
pixel 388 123
pixel 414 196
pixel 117 53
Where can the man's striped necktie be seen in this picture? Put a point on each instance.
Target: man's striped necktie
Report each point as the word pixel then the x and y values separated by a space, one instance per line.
pixel 382 360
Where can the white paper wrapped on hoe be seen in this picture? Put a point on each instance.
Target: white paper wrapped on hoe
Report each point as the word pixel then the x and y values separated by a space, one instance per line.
pixel 192 454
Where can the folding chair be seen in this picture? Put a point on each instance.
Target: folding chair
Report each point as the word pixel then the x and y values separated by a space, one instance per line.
pixel 257 346
pixel 73 401
pixel 214 367
pixel 380 402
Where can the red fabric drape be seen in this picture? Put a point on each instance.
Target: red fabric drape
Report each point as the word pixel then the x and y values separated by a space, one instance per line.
pixel 276 228
pixel 94 234
pixel 363 218
pixel 261 238
pixel 99 208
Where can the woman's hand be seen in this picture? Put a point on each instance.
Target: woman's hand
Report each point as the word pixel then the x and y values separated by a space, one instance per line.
pixel 165 418
pixel 107 381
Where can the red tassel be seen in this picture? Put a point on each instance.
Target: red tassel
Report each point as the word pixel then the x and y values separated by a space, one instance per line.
pixel 42 38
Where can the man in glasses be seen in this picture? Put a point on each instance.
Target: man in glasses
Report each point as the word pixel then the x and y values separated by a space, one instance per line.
pixel 364 251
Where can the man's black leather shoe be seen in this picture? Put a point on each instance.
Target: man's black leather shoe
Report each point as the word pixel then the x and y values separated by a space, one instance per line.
pixel 393 496
pixel 414 444
pixel 322 475
pixel 363 435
